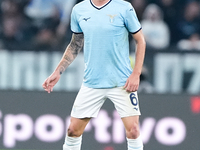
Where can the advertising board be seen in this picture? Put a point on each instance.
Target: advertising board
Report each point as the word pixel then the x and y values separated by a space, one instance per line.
pixel 37 120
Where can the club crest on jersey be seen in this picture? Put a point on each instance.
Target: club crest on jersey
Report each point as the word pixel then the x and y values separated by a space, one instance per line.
pixel 111 17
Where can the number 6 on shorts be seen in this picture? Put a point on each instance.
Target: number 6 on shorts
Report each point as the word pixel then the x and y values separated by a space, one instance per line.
pixel 133 99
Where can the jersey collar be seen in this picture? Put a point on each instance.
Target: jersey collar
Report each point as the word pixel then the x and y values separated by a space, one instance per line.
pixel 101 6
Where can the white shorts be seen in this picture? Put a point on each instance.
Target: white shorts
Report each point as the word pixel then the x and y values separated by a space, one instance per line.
pixel 89 101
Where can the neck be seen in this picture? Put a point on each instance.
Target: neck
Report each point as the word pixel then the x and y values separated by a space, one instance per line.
pixel 99 2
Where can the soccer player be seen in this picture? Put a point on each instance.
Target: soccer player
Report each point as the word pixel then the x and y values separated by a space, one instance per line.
pixel 103 26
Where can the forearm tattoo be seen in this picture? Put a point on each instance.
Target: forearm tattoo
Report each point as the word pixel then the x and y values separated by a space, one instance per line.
pixel 72 51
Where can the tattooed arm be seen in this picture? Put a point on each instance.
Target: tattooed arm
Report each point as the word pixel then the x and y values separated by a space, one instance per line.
pixel 71 52
pixel 69 55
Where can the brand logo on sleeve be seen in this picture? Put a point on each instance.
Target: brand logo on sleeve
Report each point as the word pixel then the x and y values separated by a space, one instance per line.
pixel 131 9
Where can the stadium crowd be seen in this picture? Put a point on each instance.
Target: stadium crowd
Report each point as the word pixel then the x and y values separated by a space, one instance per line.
pixel 44 24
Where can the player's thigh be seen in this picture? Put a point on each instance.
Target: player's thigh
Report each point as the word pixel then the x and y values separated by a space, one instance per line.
pixel 77 126
pixel 130 122
pixel 126 103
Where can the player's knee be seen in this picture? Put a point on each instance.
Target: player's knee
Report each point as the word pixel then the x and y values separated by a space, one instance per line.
pixel 133 132
pixel 73 132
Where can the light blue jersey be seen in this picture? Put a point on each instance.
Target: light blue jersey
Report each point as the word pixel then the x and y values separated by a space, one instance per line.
pixel 106 42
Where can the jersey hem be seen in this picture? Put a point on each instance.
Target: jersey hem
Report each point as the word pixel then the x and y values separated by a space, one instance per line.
pixel 102 87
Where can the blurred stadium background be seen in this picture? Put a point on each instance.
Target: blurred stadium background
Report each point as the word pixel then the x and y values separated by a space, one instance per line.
pixel 33 37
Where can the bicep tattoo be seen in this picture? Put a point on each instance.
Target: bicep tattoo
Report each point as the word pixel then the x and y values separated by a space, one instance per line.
pixel 76 43
pixel 72 51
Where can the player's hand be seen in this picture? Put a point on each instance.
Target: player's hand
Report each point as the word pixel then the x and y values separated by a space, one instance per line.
pixel 132 83
pixel 51 81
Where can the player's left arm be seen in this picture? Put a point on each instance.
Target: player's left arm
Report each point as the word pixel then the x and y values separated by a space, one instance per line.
pixel 132 83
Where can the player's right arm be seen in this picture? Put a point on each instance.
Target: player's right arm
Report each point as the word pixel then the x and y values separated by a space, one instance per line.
pixel 69 55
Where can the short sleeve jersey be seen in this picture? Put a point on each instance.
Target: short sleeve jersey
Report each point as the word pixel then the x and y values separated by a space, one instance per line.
pixel 106 42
